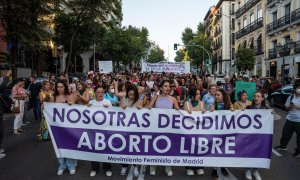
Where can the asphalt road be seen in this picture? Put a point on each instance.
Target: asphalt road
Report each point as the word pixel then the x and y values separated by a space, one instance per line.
pixel 29 158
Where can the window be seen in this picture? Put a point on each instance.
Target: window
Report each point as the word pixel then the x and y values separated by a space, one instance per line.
pixel 287 9
pixel 274 43
pixel 251 17
pixel 259 12
pixel 274 16
pixel 244 22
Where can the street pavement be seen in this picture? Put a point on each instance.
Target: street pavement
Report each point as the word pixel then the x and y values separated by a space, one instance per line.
pixel 29 158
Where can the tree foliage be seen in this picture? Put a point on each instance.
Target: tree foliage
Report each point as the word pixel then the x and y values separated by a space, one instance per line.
pixel 156 54
pixel 245 59
pixel 192 41
pixel 80 16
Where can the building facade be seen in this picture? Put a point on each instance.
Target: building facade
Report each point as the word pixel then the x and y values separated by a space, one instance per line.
pixel 283 38
pixel 220 27
pixel 250 30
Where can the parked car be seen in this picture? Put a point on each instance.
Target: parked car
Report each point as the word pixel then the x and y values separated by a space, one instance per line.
pixel 279 97
pixel 274 83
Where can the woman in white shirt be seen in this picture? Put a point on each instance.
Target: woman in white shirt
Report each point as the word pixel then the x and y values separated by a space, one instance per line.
pixel 100 101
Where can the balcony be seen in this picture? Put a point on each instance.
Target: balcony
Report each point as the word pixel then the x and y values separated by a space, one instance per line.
pixel 295 17
pixel 245 8
pixel 271 3
pixel 285 50
pixel 279 24
pixel 297 47
pixel 272 53
pixel 217 32
pixel 250 28
pixel 258 49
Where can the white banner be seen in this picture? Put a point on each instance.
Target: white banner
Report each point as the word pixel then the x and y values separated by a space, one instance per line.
pixel 171 67
pixel 105 66
pixel 161 136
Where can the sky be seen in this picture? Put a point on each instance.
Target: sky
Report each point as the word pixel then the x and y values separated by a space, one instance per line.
pixel 165 19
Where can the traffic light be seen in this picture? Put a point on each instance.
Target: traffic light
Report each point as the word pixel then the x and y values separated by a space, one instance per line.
pixel 175 46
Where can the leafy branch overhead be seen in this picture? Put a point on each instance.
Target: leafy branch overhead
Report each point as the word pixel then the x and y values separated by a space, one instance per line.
pixel 245 59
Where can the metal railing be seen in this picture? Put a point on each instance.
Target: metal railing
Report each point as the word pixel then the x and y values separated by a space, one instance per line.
pixel 295 15
pixel 245 8
pixel 272 53
pixel 271 2
pixel 297 47
pixel 250 28
pixel 279 23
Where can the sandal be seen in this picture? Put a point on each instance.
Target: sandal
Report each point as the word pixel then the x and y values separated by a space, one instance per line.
pixel 21 130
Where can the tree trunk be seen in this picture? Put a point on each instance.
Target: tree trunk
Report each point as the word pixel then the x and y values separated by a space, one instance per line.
pixel 71 50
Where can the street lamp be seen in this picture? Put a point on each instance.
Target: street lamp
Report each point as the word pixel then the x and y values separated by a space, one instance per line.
pixel 230 38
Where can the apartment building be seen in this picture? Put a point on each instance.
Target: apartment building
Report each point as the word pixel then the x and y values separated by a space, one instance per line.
pixel 220 25
pixel 283 37
pixel 250 30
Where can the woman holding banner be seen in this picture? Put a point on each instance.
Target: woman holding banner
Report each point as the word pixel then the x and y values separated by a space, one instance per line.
pixel 45 96
pixel 243 101
pixel 99 101
pixel 62 95
pixel 194 104
pixel 81 95
pixel 130 100
pixel 163 101
pixel 257 103
pixel 222 102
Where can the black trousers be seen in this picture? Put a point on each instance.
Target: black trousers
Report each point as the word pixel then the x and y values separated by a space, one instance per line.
pixel 1 128
pixel 287 132
pixel 96 165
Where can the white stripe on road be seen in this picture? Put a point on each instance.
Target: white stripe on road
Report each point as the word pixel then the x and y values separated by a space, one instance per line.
pixel 130 173
pixel 222 177
pixel 276 152
pixel 142 172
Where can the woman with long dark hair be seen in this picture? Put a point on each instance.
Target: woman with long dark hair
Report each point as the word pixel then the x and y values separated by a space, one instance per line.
pixel 163 101
pixel 194 104
pixel 222 102
pixel 62 95
pixel 130 100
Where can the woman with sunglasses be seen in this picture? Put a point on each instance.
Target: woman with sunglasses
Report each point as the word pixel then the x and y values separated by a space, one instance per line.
pixel 130 100
pixel 62 95
pixel 222 102
pixel 100 101
pixel 163 101
pixel 194 104
pixel 90 89
pixel 243 101
pixel 45 96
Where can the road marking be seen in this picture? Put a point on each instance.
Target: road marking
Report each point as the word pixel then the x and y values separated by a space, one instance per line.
pixel 276 152
pixel 130 173
pixel 142 172
pixel 222 177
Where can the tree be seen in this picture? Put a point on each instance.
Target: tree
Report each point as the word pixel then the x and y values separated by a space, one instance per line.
pixel 179 55
pixel 156 55
pixel 27 25
pixel 192 41
pixel 245 59
pixel 79 14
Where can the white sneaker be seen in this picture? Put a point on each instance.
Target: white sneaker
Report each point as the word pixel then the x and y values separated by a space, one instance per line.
pixel 72 172
pixel 93 173
pixel 108 173
pixel 136 172
pixel 2 151
pixel 189 172
pixel 123 171
pixel 200 172
pixel 256 175
pixel 60 172
pixel 169 173
pixel 248 175
pixel 2 156
pixel 152 173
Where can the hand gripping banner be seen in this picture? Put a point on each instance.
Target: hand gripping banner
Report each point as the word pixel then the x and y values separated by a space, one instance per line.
pixel 161 136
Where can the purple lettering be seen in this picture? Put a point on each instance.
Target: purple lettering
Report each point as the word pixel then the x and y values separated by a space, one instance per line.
pixel 228 124
pixel 60 116
pixel 147 121
pixel 160 120
pixel 74 115
pixel 99 122
pixel 257 120
pixel 239 121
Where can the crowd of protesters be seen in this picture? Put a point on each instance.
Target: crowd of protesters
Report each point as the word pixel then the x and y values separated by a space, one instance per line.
pixel 189 92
